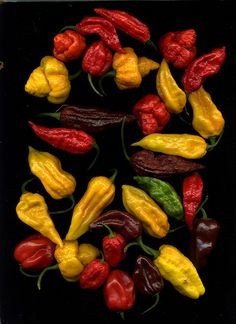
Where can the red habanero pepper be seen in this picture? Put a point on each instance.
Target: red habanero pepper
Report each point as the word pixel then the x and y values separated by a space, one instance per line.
pixel 104 28
pixel 94 274
pixel 203 67
pixel 178 47
pixel 68 45
pixel 192 197
pixel 35 253
pixel 119 291
pixel 151 113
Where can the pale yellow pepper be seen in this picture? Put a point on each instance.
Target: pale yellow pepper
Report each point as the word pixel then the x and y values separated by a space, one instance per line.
pixel 146 65
pixel 49 80
pixel 176 268
pixel 87 253
pixel 171 94
pixel 207 118
pixel 47 167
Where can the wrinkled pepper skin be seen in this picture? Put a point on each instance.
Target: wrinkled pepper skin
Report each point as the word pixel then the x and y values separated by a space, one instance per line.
pixel 171 94
pixel 33 211
pixel 47 167
pixel 67 257
pixel 186 145
pixel 127 71
pixel 146 65
pixel 164 194
pixel 35 253
pixel 139 204
pixel 207 118
pixel 49 80
pixel 99 194
pixel 124 223
pixel 113 248
pixel 119 291
pixel 94 274
pixel 176 268
pixel 147 163
pixel 87 253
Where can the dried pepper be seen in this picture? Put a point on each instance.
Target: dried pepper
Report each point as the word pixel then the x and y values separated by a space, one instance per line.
pixel 94 274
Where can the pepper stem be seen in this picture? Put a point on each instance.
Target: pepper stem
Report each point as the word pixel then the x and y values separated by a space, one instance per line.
pixel 147 249
pixel 96 156
pixel 92 85
pixel 176 229
pixel 55 115
pixel 28 274
pixel 214 140
pixel 23 187
pixel 113 176
pixel 53 267
pixel 157 298
pixel 151 44
pixel 111 234
pixel 123 140
pixel 75 75
pixel 109 74
pixel 68 27
pixel 72 199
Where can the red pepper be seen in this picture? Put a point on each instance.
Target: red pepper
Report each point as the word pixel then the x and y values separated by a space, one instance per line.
pixel 192 197
pixel 94 274
pixel 151 113
pixel 104 28
pixel 203 67
pixel 36 252
pixel 178 47
pixel 119 291
pixel 113 248
pixel 68 45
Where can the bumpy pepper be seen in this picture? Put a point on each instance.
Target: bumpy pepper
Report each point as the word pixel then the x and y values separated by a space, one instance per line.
pixel 139 204
pixel 169 91
pixel 87 253
pixel 49 80
pixel 47 167
pixel 185 145
pixel 207 118
pixel 146 65
pixel 99 194
pixel 94 274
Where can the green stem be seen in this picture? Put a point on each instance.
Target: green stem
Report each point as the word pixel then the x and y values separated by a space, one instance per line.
pixel 110 74
pixel 202 204
pixel 23 187
pixel 28 274
pixel 55 115
pixel 204 214
pixel 122 315
pixel 92 85
pixel 53 267
pixel 111 234
pixel 157 298
pixel 113 176
pixel 72 199
pixel 151 44
pixel 214 141
pixel 147 249
pixel 96 156
pixel 176 229
pixel 123 140
pixel 75 75
pixel 68 27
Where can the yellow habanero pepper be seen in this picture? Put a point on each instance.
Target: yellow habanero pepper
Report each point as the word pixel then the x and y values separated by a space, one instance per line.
pixel 87 253
pixel 146 65
pixel 176 268
pixel 47 167
pixel 49 80
pixel 33 211
pixel 185 145
pixel 138 203
pixel 167 88
pixel 127 71
pixel 99 194
pixel 207 119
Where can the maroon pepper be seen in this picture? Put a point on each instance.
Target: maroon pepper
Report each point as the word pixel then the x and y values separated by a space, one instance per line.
pixel 94 274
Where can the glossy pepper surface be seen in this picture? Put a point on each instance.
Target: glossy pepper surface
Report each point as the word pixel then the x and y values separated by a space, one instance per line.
pixel 68 46
pixel 176 268
pixel 178 47
pixel 47 167
pixel 207 118
pixel 87 252
pixel 99 194
pixel 33 211
pixel 139 204
pixel 35 253
pixel 186 145
pixel 94 274
pixel 119 291
pixel 164 194
pixel 49 80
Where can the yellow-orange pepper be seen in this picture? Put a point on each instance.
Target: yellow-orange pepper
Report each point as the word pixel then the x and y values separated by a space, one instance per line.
pixel 87 253
pixel 146 65
pixel 49 80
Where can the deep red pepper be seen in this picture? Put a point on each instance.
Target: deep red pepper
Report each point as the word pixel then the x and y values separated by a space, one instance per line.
pixel 203 67
pixel 192 196
pixel 151 113
pixel 35 253
pixel 119 291
pixel 68 45
pixel 178 47
pixel 94 274
pixel 104 28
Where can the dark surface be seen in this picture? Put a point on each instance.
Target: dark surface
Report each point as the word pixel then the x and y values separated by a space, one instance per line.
pixel 27 30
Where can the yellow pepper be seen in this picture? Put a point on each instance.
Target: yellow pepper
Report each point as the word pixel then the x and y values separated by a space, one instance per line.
pixel 185 145
pixel 49 80
pixel 139 204
pixel 127 71
pixel 207 119
pixel 47 167
pixel 169 91
pixel 33 211
pixel 176 268
pixel 99 194
pixel 146 65
pixel 87 253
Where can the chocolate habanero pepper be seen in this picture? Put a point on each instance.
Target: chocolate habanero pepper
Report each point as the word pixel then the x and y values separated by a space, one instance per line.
pixel 68 45
pixel 35 253
pixel 203 67
pixel 94 274
pixel 178 47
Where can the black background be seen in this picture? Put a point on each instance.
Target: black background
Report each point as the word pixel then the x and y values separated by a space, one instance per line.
pixel 27 30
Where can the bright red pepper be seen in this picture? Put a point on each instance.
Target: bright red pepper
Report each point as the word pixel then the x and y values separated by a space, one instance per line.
pixel 68 45
pixel 119 292
pixel 179 47
pixel 35 253
pixel 151 113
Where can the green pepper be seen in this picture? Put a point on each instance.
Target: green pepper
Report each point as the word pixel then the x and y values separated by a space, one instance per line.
pixel 164 194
